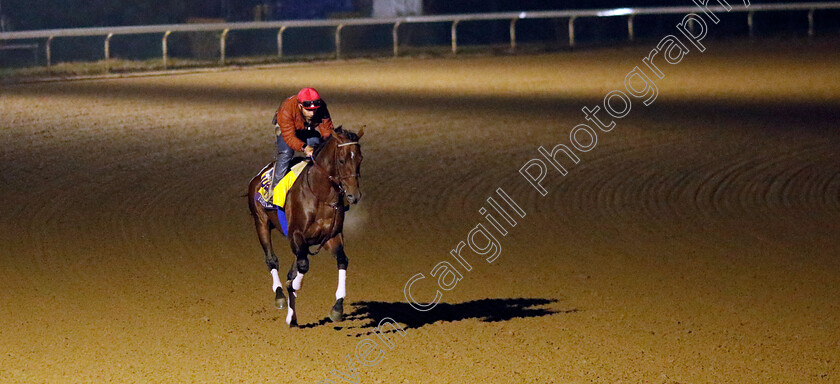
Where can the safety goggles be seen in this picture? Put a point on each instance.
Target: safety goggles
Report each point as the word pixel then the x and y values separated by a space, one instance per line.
pixel 311 104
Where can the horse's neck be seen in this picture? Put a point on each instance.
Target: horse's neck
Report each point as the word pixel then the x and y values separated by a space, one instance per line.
pixel 323 160
pixel 320 173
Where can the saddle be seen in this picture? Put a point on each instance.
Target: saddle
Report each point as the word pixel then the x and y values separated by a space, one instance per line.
pixel 278 200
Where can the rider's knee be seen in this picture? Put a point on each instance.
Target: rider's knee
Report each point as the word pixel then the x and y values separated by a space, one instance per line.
pixel 285 152
pixel 313 141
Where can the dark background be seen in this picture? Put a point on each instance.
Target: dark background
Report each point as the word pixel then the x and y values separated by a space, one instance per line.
pixel 318 42
pixel 47 14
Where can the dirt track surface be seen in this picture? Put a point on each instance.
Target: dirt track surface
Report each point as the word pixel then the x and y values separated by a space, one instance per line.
pixel 697 243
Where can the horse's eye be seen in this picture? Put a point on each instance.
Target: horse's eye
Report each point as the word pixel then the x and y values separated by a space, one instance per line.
pixel 341 161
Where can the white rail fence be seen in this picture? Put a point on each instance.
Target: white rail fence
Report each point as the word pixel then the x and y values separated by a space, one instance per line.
pixel 455 20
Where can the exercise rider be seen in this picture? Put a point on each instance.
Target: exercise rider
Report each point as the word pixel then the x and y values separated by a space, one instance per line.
pixel 300 124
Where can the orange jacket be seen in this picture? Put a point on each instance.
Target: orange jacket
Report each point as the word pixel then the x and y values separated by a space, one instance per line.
pixel 288 120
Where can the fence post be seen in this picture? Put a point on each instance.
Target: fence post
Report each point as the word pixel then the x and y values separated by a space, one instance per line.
pixel 630 30
pixel 338 41
pixel 108 52
pixel 750 16
pixel 513 33
pixel 49 50
pixel 165 49
pixel 222 45
pixel 811 22
pixel 572 31
pixel 455 36
pixel 396 38
pixel 280 41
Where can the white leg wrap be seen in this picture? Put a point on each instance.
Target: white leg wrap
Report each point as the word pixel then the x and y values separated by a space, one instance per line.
pixel 297 282
pixel 289 315
pixel 275 277
pixel 342 280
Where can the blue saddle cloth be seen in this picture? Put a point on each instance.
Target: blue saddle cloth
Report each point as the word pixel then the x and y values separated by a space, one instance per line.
pixel 281 213
pixel 284 225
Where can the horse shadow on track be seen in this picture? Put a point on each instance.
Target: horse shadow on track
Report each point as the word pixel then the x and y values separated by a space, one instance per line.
pixel 486 310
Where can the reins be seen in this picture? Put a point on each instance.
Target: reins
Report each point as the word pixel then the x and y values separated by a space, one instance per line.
pixel 335 184
pixel 336 181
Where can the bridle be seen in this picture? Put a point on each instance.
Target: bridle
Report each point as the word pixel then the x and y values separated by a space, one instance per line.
pixel 336 182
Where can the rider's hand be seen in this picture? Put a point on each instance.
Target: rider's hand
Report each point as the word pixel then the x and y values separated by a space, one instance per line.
pixel 308 150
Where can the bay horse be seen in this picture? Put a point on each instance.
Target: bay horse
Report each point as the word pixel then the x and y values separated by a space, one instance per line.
pixel 315 207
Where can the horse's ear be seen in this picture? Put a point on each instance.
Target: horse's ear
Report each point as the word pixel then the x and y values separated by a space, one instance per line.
pixel 361 132
pixel 338 129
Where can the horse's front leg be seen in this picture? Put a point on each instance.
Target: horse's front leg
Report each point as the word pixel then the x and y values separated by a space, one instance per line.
pixel 336 246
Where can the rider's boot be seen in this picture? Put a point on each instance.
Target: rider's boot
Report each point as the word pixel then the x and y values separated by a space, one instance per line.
pixel 281 166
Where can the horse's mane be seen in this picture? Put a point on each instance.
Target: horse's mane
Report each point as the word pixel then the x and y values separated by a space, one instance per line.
pixel 321 146
pixel 349 135
pixel 352 136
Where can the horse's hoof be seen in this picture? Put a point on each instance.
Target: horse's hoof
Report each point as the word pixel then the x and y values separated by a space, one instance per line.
pixel 280 300
pixel 337 311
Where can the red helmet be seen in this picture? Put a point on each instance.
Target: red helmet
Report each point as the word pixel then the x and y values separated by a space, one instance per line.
pixel 309 98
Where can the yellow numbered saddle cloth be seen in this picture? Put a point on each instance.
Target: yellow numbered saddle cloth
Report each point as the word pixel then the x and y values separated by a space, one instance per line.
pixel 282 188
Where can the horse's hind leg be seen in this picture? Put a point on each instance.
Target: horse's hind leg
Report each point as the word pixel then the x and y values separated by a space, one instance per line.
pixel 291 315
pixel 295 276
pixel 264 234
pixel 336 246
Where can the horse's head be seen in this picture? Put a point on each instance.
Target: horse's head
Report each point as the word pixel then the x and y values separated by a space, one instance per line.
pixel 348 162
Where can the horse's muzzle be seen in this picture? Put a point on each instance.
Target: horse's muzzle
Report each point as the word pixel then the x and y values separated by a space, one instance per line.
pixel 352 199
